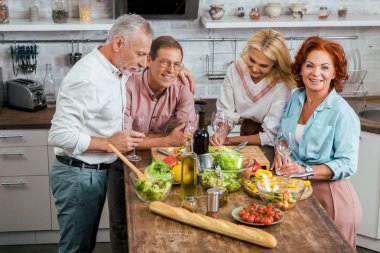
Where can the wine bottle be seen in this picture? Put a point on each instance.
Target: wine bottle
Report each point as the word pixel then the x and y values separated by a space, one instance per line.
pixel 201 136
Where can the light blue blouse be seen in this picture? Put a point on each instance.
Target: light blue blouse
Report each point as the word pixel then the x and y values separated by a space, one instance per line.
pixel 331 135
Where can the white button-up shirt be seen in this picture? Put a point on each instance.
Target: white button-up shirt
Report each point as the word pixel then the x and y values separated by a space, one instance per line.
pixel 91 102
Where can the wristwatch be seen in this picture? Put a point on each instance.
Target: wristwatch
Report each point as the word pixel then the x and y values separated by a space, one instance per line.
pixel 309 169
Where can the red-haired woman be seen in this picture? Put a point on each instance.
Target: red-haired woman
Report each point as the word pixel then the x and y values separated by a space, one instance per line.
pixel 326 131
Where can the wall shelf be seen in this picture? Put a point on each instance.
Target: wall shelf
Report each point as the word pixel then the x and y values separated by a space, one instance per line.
pixel 289 21
pixel 23 25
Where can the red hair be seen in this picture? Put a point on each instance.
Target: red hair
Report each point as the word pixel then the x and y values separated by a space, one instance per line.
pixel 336 53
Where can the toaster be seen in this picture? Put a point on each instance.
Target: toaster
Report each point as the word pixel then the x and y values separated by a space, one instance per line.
pixel 26 94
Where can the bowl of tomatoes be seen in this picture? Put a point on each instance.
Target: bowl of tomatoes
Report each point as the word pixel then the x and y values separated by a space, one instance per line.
pixel 282 192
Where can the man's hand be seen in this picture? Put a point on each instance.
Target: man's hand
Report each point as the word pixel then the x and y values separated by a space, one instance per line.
pixel 127 140
pixel 177 137
pixel 187 79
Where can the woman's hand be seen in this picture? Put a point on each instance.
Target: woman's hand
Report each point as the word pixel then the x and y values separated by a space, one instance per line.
pixel 187 79
pixel 217 141
pixel 290 168
pixel 279 161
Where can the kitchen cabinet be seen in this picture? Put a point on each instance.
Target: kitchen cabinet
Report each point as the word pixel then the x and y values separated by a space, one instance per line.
pixel 367 184
pixel 28 213
pixel 24 191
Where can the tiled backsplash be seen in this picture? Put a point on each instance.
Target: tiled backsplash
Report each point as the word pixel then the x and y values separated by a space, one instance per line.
pixel 195 52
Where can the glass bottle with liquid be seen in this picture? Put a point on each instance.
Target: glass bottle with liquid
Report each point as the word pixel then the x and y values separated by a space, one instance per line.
pixel 223 193
pixel 201 136
pixel 49 87
pixel 188 175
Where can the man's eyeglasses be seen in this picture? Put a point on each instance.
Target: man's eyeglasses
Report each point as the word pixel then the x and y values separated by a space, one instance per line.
pixel 177 65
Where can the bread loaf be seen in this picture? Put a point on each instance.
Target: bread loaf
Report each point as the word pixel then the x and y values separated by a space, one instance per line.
pixel 241 232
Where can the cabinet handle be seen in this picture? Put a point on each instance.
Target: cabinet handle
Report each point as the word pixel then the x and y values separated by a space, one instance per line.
pixel 11 136
pixel 19 183
pixel 10 154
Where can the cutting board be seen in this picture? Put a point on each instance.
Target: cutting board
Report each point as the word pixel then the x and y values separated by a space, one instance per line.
pixel 251 152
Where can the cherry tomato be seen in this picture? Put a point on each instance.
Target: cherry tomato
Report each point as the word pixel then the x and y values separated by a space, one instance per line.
pixel 251 219
pixel 261 209
pixel 245 216
pixel 277 216
pixel 242 212
pixel 257 219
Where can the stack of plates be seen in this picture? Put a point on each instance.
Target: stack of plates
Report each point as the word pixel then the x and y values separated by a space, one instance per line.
pixel 354 66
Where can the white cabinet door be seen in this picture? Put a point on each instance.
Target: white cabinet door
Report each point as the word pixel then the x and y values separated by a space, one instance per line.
pixel 25 203
pixel 367 184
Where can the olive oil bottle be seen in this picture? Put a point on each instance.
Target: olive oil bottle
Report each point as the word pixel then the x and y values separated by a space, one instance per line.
pixel 188 175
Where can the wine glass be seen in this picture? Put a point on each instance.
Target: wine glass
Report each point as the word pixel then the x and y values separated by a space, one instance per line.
pixel 135 124
pixel 189 130
pixel 284 145
pixel 219 123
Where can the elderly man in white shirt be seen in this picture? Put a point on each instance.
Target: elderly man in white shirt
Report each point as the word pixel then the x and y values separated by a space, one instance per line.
pixel 89 116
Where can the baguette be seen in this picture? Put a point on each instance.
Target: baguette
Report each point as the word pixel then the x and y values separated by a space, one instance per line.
pixel 251 235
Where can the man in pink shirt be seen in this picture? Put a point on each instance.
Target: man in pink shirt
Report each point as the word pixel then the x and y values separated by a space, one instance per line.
pixel 157 95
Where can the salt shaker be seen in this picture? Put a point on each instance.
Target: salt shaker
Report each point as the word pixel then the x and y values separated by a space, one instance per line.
pixel 213 203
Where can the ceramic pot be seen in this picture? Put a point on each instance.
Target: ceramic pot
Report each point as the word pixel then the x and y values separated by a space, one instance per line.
pixel 298 10
pixel 273 10
pixel 216 11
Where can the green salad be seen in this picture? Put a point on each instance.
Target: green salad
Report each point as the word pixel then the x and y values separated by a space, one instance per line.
pixel 159 183
pixel 226 158
pixel 231 180
pixel 230 163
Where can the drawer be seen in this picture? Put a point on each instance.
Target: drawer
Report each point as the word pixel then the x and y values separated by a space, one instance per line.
pixel 25 203
pixel 23 161
pixel 14 138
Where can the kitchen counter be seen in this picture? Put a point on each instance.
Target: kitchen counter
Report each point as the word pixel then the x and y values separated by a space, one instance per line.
pixel 15 119
pixel 306 228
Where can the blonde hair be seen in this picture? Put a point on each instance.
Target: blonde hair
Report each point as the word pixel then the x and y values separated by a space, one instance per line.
pixel 272 44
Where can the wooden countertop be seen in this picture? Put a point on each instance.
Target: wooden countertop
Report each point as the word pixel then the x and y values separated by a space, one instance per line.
pixel 15 119
pixel 306 228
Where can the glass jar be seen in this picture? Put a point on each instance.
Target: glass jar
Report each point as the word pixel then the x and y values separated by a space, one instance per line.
pixel 255 14
pixel 84 10
pixel 60 11
pixel 323 12
pixel 4 11
pixel 49 87
pixel 240 12
pixel 189 203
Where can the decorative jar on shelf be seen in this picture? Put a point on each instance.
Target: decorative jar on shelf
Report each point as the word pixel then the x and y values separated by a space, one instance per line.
pixel 273 10
pixel 60 11
pixel 323 12
pixel 216 11
pixel 85 10
pixel 255 14
pixel 4 11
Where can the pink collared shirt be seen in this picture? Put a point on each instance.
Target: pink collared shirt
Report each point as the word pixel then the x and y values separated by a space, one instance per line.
pixel 176 101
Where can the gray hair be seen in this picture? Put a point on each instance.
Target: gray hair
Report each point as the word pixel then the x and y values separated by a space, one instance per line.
pixel 126 25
